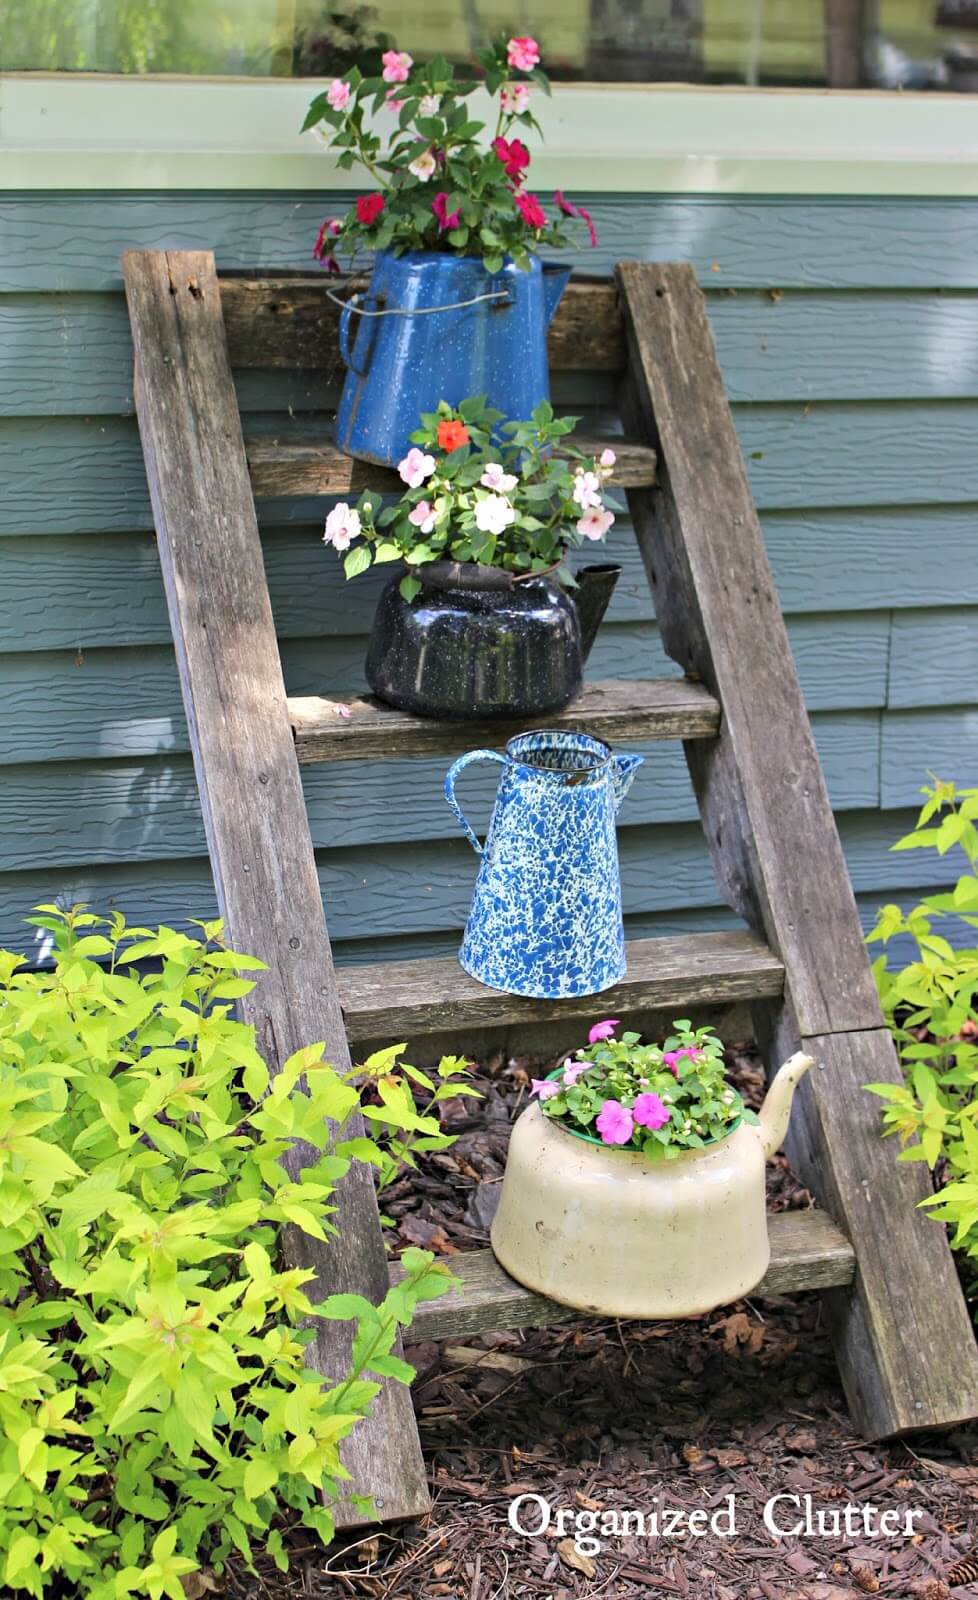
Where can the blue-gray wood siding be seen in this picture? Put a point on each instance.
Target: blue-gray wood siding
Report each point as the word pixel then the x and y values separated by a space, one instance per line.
pixel 848 334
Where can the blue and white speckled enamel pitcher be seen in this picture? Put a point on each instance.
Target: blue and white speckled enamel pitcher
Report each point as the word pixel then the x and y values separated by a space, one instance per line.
pixel 546 914
pixel 437 327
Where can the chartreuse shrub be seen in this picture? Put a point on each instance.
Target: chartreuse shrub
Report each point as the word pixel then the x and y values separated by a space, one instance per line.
pixel 931 1008
pixel 155 1408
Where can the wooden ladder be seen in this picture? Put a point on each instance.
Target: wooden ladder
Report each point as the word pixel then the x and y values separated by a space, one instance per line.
pixel 903 1339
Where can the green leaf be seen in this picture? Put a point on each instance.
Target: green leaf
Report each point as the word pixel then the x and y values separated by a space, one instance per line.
pixel 356 561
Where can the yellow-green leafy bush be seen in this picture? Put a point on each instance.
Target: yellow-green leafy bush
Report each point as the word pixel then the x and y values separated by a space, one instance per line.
pixel 932 1010
pixel 155 1409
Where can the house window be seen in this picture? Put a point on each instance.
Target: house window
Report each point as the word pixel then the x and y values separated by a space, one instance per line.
pixel 846 44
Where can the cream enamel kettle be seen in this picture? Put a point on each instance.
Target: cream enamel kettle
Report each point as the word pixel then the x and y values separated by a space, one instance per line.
pixel 609 1231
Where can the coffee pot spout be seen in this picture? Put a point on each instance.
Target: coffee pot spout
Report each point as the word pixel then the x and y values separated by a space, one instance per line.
pixel 625 768
pixel 555 279
pixel 777 1103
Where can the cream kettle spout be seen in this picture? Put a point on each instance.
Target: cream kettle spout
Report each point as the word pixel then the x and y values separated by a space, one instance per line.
pixel 773 1119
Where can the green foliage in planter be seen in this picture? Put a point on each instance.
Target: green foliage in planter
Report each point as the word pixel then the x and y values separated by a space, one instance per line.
pixel 155 1408
pixel 930 1006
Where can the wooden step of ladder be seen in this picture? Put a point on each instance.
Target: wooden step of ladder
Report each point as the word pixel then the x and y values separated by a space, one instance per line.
pixel 903 1339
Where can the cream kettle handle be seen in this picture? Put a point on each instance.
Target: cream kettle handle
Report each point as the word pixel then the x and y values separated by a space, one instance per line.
pixel 776 1109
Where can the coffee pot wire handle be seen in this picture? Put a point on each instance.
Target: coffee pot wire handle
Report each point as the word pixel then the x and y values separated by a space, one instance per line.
pixel 450 777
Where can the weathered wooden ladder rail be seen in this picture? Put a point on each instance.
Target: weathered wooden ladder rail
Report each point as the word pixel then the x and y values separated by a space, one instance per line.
pixel 902 1336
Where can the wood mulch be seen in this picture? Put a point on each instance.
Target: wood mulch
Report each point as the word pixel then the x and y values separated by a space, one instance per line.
pixel 608 1415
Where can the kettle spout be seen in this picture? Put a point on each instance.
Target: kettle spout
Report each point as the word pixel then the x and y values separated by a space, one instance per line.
pixel 625 768
pixel 777 1103
pixel 595 586
pixel 554 279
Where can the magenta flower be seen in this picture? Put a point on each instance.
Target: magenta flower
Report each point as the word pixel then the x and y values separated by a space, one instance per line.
pixel 543 1088
pixel 573 1070
pixel 571 210
pixel 650 1112
pixel 614 1122
pixel 446 219
pixel 514 156
pixel 530 209
pixel 602 1030
pixel 523 53
pixel 322 249
pixel 672 1058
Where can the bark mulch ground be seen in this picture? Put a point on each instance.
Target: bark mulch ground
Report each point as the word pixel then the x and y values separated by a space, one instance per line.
pixel 609 1415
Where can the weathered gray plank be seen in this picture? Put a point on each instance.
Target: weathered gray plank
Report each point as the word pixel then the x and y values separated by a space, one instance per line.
pixel 65 241
pixel 281 469
pixel 903 1336
pixel 765 808
pixel 407 998
pixel 72 813
pixel 275 322
pixel 248 779
pixel 653 708
pixel 775 847
pixel 807 1252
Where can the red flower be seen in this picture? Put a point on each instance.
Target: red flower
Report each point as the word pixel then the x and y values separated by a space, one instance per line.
pixel 530 209
pixel 446 219
pixel 369 207
pixel 514 156
pixel 571 210
pixel 452 435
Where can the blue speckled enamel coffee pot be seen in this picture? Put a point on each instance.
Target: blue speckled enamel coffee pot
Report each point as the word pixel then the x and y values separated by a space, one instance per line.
pixel 546 914
pixel 428 346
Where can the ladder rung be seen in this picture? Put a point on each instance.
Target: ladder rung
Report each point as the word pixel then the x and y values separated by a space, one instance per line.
pixel 310 468
pixel 407 999
pixel 651 708
pixel 807 1252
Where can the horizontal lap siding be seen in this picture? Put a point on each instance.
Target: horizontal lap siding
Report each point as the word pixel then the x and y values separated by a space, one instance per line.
pixel 848 334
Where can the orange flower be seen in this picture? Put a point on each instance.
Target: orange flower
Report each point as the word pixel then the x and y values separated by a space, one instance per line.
pixel 452 435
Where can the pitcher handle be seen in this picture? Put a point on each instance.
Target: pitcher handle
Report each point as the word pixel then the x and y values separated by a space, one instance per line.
pixel 450 777
pixel 347 338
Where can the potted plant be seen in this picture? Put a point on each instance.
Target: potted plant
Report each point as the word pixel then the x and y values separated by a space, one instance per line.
pixel 634 1183
pixel 458 301
pixel 478 621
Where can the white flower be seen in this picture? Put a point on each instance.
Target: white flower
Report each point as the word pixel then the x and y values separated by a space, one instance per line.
pixel 423 516
pixel 587 486
pixel 496 479
pixel 595 523
pixel 415 467
pixel 428 105
pixel 342 526
pixel 494 514
pixel 514 97
pixel 424 167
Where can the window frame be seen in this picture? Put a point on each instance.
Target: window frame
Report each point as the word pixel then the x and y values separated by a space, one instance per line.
pixel 62 131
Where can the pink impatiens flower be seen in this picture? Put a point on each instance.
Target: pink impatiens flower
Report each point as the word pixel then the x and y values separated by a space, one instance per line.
pixel 423 166
pixel 446 219
pixel 396 64
pixel 495 478
pixel 595 523
pixel 523 53
pixel 514 98
pixel 423 516
pixel 338 94
pixel 672 1058
pixel 602 1030
pixel 606 460
pixel 650 1112
pixel 415 467
pixel 342 526
pixel 514 156
pixel 571 210
pixel 614 1122
pixel 587 489
pixel 392 103
pixel 543 1088
pixel 530 209
pixel 322 249
pixel 572 1071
